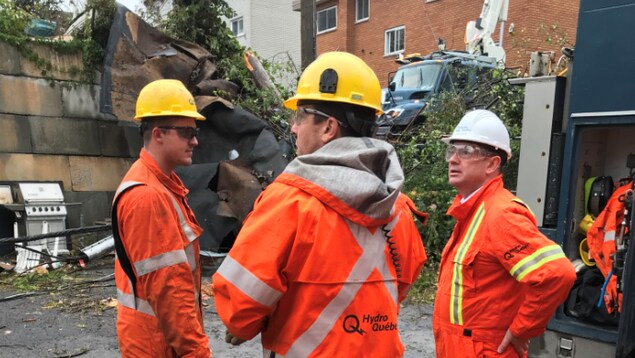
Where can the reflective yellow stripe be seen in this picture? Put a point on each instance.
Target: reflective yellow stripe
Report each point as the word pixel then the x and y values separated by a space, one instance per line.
pixel 535 260
pixel 456 297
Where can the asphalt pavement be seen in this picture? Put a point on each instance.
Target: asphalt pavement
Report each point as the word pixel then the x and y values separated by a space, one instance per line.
pixel 78 320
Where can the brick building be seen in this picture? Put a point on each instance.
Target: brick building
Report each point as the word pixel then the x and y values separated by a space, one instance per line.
pixel 378 30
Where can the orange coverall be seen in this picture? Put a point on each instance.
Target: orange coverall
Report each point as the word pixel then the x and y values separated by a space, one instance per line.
pixel 601 239
pixel 497 272
pixel 159 234
pixel 320 266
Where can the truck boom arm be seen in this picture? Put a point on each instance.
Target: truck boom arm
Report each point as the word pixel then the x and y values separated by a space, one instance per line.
pixel 478 34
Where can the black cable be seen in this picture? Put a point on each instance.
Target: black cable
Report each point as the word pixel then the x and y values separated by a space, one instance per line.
pixel 392 247
pixel 66 233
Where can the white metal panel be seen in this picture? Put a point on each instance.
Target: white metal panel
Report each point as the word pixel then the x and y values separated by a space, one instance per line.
pixel 535 143
pixel 40 226
pixel 41 192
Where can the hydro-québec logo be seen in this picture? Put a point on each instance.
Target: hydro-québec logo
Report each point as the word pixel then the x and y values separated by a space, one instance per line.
pixel 368 322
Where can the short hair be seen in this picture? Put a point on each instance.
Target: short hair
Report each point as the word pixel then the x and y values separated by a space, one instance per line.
pixel 495 152
pixel 149 123
pixel 355 121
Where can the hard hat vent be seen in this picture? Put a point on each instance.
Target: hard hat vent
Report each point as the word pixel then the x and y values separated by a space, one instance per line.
pixel 338 77
pixel 328 81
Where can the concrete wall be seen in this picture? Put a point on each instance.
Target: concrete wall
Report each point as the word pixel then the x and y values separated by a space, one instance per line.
pixel 538 25
pixel 51 130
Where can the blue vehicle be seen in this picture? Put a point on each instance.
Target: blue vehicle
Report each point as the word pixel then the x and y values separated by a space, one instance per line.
pixel 406 100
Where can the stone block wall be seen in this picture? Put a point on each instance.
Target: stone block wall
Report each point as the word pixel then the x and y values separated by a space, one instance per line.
pixel 52 130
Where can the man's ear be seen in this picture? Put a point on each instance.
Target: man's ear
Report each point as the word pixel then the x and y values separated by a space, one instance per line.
pixel 330 130
pixel 156 134
pixel 493 165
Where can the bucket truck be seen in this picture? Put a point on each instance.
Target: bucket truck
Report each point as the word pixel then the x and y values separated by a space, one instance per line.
pixel 419 78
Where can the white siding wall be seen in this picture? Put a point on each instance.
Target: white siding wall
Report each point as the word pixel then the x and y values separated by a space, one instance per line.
pixel 242 8
pixel 272 29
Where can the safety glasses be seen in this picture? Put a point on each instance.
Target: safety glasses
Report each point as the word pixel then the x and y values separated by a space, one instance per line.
pixel 302 112
pixel 184 132
pixel 466 152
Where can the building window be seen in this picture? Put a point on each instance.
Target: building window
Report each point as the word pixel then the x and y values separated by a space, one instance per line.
pixel 237 26
pixel 394 40
pixel 363 10
pixel 327 19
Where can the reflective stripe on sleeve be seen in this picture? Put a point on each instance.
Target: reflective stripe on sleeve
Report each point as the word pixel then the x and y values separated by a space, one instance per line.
pixel 191 256
pixel 535 260
pixel 609 236
pixel 456 293
pixel 189 233
pixel 135 303
pixel 157 262
pixel 125 185
pixel 248 283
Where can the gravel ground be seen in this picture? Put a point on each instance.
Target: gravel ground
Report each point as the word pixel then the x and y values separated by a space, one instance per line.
pixel 80 321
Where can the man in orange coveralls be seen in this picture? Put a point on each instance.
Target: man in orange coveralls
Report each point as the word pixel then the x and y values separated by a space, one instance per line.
pixel 330 248
pixel 500 279
pixel 157 270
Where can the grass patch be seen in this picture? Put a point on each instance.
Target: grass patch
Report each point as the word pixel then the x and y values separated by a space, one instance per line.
pixel 37 281
pixel 425 288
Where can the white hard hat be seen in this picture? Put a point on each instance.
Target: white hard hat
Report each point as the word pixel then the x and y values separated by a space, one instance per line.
pixel 482 126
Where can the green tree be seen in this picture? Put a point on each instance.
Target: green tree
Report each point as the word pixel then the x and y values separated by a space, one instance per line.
pixel 13 20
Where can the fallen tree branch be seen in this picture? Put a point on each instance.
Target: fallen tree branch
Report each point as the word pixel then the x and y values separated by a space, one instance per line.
pixel 22 295
pixel 68 232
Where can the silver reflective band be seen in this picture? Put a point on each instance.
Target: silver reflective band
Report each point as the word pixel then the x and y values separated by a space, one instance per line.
pixel 609 236
pixel 248 283
pixel 191 257
pixel 157 262
pixel 125 185
pixel 135 303
pixel 184 226
pixel 373 256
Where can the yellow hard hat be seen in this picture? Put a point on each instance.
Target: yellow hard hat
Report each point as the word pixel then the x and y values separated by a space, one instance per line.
pixel 586 223
pixel 338 77
pixel 584 253
pixel 166 98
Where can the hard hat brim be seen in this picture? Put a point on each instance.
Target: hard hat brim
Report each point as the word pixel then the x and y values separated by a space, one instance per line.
pixel 292 103
pixel 190 114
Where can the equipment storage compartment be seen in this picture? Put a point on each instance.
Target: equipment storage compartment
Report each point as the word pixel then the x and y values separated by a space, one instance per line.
pixel 602 148
pixel 599 139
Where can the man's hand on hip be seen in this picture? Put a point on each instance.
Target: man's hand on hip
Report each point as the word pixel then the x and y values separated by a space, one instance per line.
pixel 520 345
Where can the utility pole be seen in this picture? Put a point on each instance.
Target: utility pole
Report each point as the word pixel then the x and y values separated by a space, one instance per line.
pixel 307 28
